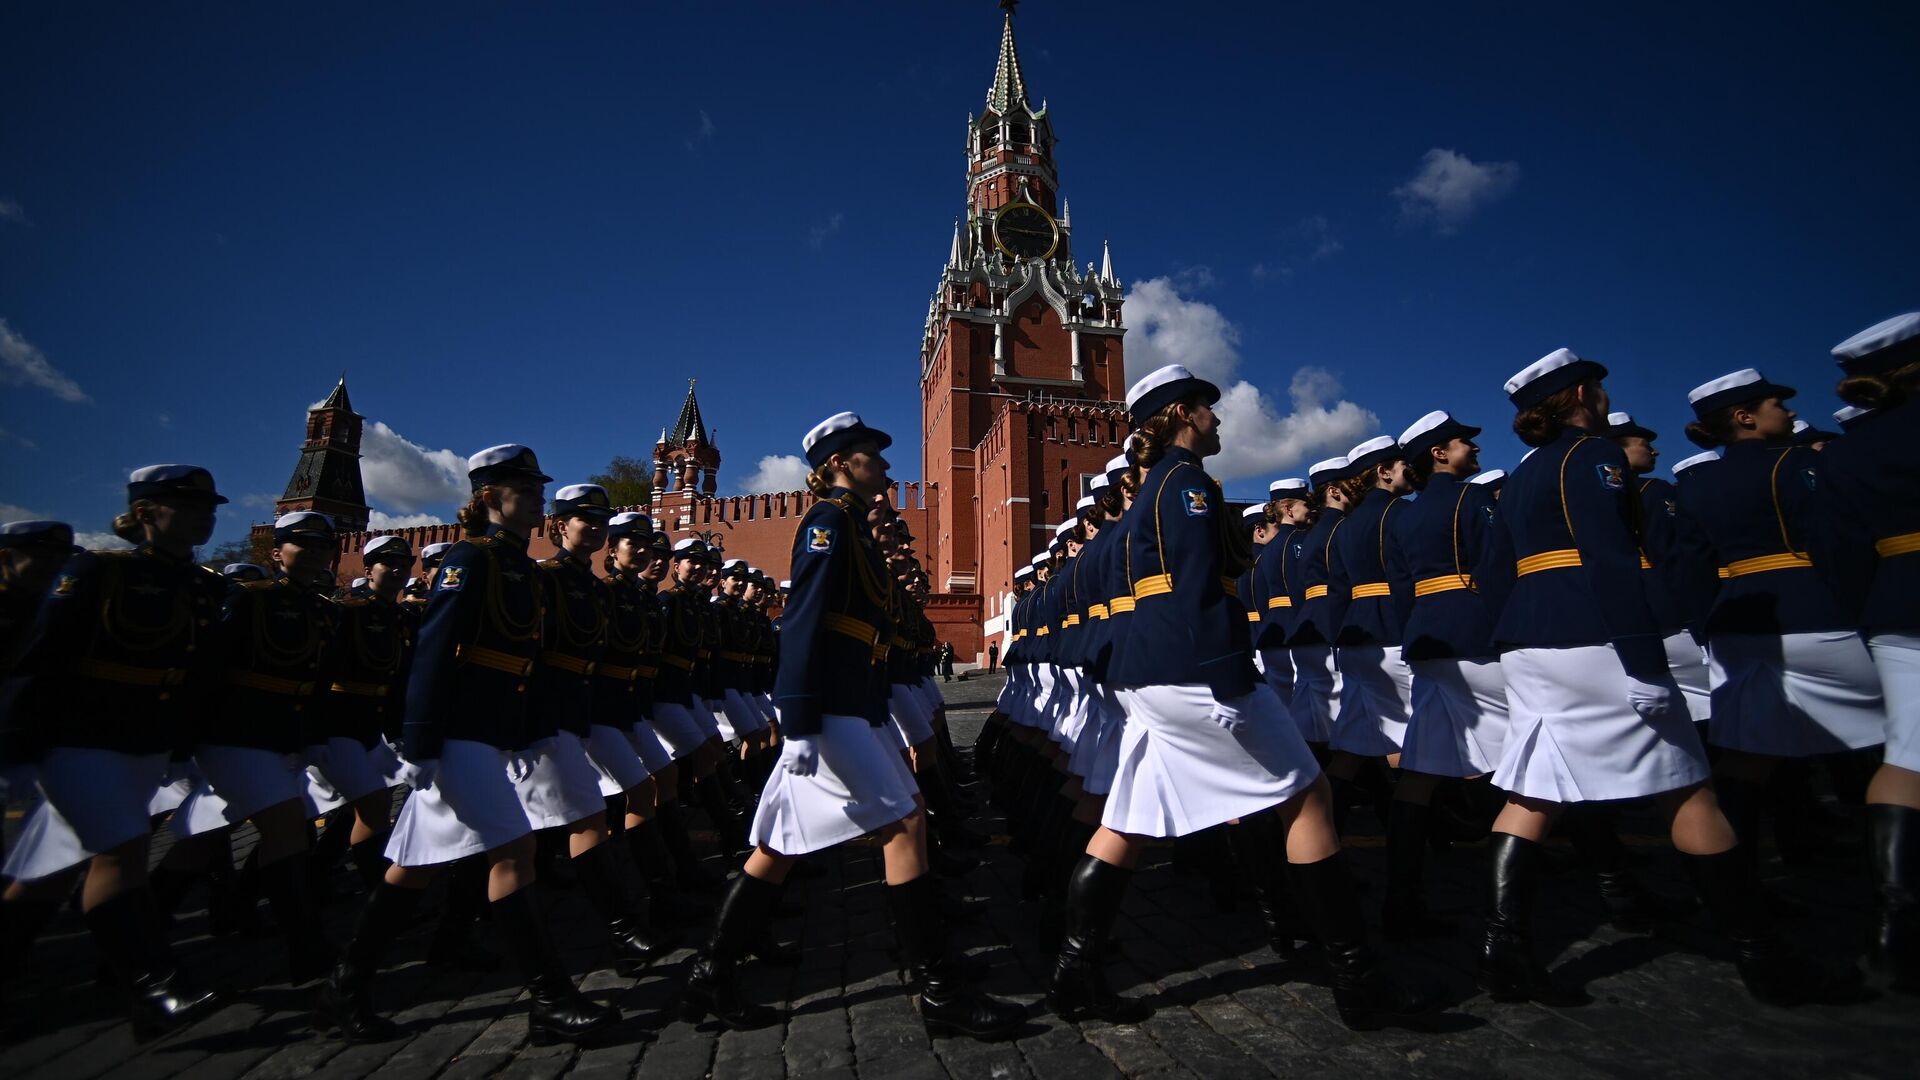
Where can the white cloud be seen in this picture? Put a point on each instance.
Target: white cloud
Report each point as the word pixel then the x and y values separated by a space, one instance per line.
pixel 1257 439
pixel 13 211
pixel 23 364
pixel 817 236
pixel 16 512
pixel 380 519
pixel 19 438
pixel 1319 233
pixel 702 133
pixel 777 472
pixel 1449 188
pixel 409 477
pixel 100 541
pixel 1193 279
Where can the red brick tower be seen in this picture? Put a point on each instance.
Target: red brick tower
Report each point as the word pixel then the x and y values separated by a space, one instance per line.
pixel 327 477
pixel 685 459
pixel 1021 371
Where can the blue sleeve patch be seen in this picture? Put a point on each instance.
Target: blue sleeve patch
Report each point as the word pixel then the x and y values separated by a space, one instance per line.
pixel 819 539
pixel 1612 477
pixel 1195 500
pixel 452 577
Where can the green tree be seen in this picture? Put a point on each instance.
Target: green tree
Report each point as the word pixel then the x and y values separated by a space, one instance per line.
pixel 629 481
pixel 240 549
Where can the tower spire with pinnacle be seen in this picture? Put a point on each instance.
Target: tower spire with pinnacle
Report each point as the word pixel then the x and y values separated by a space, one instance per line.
pixel 1009 87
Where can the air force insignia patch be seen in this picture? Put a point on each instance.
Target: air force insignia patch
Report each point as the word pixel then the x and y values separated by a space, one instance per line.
pixel 1196 501
pixel 819 539
pixel 452 577
pixel 1612 477
pixel 64 584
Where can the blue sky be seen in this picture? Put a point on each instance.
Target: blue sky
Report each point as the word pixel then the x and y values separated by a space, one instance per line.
pixel 533 224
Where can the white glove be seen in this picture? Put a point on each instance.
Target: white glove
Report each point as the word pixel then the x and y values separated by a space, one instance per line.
pixel 802 757
pixel 519 766
pixel 419 775
pixel 1653 701
pixel 1227 716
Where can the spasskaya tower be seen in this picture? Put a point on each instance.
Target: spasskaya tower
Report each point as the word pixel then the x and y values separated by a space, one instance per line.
pixel 1021 374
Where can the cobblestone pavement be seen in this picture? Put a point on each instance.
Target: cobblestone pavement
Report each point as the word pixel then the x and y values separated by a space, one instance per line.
pixel 1667 1004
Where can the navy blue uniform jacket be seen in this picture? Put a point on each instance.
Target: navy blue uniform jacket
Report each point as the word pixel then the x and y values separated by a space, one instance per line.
pixel 1433 545
pixel 573 637
pixel 366 671
pixel 1758 510
pixel 477 647
pixel 1317 610
pixel 1271 599
pixel 1357 569
pixel 1567 518
pixel 276 636
pixel 835 615
pixel 1187 627
pixel 1868 545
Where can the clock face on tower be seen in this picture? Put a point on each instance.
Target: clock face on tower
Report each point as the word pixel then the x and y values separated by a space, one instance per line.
pixel 1025 231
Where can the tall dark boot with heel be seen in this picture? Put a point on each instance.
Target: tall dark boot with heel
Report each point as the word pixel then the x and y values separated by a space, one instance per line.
pixel 1365 993
pixel 688 869
pixel 666 904
pixel 1509 969
pixel 454 946
pixel 1894 833
pixel 160 999
pixel 1404 915
pixel 635 944
pixel 948 1005
pixel 1632 907
pixel 713 981
pixel 345 1002
pixel 1078 989
pixel 290 894
pixel 558 1012
pixel 1773 971
pixel 1741 801
pixel 1259 846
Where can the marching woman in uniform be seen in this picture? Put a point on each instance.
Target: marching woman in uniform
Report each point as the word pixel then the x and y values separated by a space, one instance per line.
pixel 466 720
pixel 1206 742
pixel 622 696
pixel 579 758
pixel 681 721
pixel 1376 686
pixel 1593 713
pixel 1869 550
pixel 1268 601
pixel 276 636
pixel 112 675
pixel 1796 678
pixel 1316 686
pixel 1459 709
pixel 840 773
pixel 1677 604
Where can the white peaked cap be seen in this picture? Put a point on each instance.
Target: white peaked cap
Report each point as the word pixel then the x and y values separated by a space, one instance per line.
pixel 1697 459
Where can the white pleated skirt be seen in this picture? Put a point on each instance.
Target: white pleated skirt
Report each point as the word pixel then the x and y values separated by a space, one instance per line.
pixel 1574 736
pixel 679 732
pixel 1795 695
pixel 1041 698
pixel 647 743
pixel 930 692
pixel 1096 757
pixel 614 758
pixel 1376 697
pixel 562 786
pixel 1276 667
pixel 860 784
pixel 1070 709
pixel 471 807
pixel 1687 659
pixel 92 800
pixel 1459 723
pixel 741 715
pixel 1179 772
pixel 908 714
pixel 1897 658
pixel 236 783
pixel 1316 692
pixel 182 777
pixel 341 771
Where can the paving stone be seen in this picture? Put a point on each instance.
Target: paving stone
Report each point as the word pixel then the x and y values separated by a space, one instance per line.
pixel 686 1059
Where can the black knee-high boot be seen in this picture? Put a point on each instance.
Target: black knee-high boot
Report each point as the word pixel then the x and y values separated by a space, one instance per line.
pixel 345 1003
pixel 1741 801
pixel 558 1010
pixel 686 862
pixel 1259 845
pixel 160 999
pixel 666 904
pixel 1404 915
pixel 1364 992
pixel 947 1004
pixel 21 922
pixel 713 984
pixel 326 851
pixel 1509 969
pixel 1773 971
pixel 1633 907
pixel 290 894
pixel 944 814
pixel 1343 793
pixel 454 945
pixel 1894 832
pixel 1078 989
pixel 369 859
pixel 635 944
pixel 713 799
pixel 233 901
pixel 1047 849
pixel 1051 926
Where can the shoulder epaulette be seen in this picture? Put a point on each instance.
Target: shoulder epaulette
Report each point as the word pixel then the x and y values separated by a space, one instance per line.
pixel 267 584
pixel 480 541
